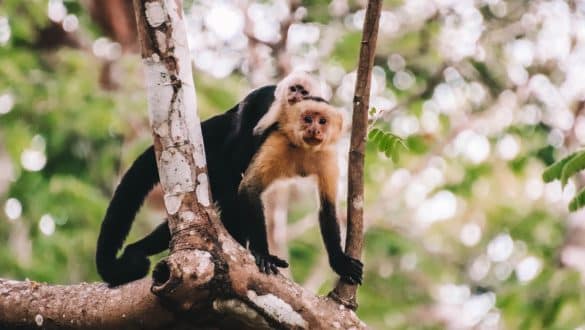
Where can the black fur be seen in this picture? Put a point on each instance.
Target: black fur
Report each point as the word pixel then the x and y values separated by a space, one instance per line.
pixel 315 98
pixel 348 268
pixel 252 210
pixel 229 148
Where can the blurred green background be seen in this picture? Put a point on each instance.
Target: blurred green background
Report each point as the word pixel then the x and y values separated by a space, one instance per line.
pixel 461 231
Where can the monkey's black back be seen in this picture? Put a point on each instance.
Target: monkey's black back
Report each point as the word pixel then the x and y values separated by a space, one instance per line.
pixel 229 148
pixel 228 155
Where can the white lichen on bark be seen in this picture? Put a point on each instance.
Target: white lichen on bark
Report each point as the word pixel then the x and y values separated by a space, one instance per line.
pixel 199 264
pixel 175 172
pixel 239 309
pixel 39 320
pixel 155 14
pixel 277 309
pixel 172 105
pixel 358 202
pixel 203 190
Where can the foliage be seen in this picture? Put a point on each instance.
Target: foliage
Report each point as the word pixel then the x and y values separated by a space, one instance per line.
pixel 388 143
pixel 563 170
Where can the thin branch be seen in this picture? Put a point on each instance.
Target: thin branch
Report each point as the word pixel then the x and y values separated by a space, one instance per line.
pixel 344 292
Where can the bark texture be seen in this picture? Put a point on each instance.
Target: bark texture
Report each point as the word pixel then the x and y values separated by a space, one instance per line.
pixel 29 305
pixel 343 292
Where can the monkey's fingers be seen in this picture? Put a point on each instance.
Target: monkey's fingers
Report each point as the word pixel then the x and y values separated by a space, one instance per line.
pixel 352 280
pixel 278 262
pixel 270 267
pixel 349 280
pixel 352 270
pixel 357 271
pixel 264 266
pixel 273 268
pixel 356 278
pixel 259 262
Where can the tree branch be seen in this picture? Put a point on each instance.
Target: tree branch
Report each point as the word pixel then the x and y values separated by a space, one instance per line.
pixel 29 304
pixel 344 292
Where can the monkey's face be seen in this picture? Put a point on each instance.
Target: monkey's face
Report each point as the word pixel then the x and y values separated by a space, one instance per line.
pixel 311 124
pixel 314 126
pixel 296 93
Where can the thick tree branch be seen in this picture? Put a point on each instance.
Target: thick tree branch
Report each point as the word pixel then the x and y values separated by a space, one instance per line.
pixel 28 304
pixel 344 292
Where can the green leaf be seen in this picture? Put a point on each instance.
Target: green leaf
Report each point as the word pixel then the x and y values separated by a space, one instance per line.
pixel 391 146
pixel 373 135
pixel 385 143
pixel 394 153
pixel 574 165
pixel 554 171
pixel 578 201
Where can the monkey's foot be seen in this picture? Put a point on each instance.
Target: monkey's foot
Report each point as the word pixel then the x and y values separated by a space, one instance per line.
pixel 349 269
pixel 268 263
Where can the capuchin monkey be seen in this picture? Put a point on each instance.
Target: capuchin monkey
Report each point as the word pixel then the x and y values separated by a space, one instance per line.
pixel 229 147
pixel 303 144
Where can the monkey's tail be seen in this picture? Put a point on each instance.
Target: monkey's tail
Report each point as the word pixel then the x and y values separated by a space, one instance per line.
pixel 128 198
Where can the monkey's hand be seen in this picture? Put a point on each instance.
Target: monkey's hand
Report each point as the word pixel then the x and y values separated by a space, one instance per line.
pixel 268 263
pixel 349 269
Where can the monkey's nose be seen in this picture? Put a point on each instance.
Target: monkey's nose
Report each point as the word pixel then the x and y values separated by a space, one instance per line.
pixel 314 131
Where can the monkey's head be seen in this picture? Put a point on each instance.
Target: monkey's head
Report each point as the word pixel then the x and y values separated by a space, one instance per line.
pixel 291 90
pixel 311 123
pixel 296 93
pixel 295 87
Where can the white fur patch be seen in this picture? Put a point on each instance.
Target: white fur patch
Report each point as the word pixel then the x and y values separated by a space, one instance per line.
pixel 281 97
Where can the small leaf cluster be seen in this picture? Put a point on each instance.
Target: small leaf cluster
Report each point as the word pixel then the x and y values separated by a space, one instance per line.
pixel 563 170
pixel 388 143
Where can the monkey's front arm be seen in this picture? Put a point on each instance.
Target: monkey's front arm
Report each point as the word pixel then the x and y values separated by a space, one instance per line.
pixel 255 230
pixel 349 269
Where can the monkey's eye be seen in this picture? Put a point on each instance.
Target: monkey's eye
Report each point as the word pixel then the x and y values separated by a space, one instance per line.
pixel 322 121
pixel 293 88
pixel 308 119
pixel 304 92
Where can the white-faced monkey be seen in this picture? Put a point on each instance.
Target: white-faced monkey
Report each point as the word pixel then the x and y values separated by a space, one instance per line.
pixel 229 148
pixel 302 145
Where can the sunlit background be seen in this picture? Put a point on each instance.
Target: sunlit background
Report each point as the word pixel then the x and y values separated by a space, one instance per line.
pixel 461 232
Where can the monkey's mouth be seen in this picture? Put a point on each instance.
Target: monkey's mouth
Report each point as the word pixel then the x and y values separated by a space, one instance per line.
pixel 312 141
